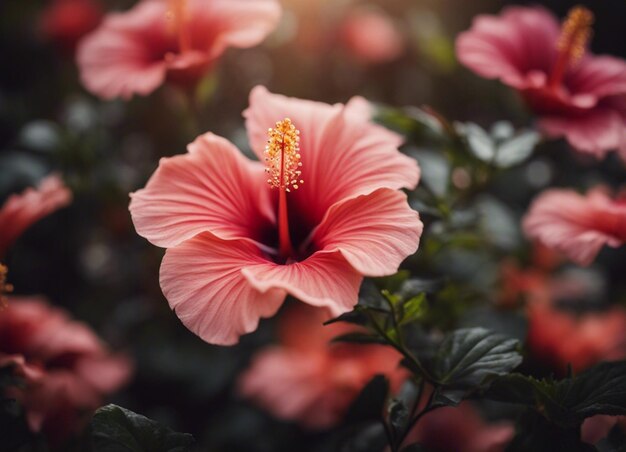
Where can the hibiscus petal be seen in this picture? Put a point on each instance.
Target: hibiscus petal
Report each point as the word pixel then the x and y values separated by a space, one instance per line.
pixel 374 232
pixel 232 23
pixel 277 371
pixel 22 210
pixel 211 188
pixel 575 225
pixel 105 373
pixel 124 56
pixel 325 279
pixel 202 280
pixel 343 154
pixel 518 43
pixel 596 133
pixel 598 75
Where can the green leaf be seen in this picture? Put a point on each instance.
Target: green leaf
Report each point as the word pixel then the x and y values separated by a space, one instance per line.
pixel 517 149
pixel 369 404
pixel 413 309
pixel 599 390
pixel 537 434
pixel 391 297
pixel 470 358
pixel 398 416
pixel 116 429
pixel 356 317
pixel 360 338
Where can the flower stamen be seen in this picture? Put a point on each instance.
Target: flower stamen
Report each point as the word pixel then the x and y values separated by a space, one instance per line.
pixel 177 15
pixel 282 156
pixel 576 32
pixel 5 288
pixel 283 166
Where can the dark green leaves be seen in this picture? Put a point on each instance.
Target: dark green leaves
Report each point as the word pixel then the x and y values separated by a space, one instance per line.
pixel 535 433
pixel 469 358
pixel 599 390
pixel 502 146
pixel 368 406
pixel 116 429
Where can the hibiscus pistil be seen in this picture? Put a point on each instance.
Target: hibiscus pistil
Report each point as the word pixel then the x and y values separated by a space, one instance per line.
pixel 576 32
pixel 282 160
pixel 177 14
pixel 4 286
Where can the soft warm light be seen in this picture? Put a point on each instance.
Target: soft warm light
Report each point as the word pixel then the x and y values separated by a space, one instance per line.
pixel 282 156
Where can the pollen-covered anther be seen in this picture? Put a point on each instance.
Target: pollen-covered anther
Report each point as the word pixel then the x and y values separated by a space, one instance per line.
pixel 5 288
pixel 576 33
pixel 282 156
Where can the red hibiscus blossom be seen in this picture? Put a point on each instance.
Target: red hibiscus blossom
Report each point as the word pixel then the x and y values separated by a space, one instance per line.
pixel 21 211
pixel 178 40
pixel 309 380
pixel 559 338
pixel 322 212
pixel 66 369
pixel 576 94
pixel 460 429
pixel 576 225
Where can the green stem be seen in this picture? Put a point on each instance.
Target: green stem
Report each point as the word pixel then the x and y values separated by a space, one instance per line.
pixel 427 409
pixel 406 353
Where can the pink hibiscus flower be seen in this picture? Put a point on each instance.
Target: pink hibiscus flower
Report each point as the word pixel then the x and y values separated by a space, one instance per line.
pixel 20 211
pixel 371 36
pixel 309 380
pixel 65 22
pixel 66 369
pixel 239 242
pixel 460 429
pixel 598 427
pixel 177 40
pixel 576 225
pixel 559 338
pixel 575 94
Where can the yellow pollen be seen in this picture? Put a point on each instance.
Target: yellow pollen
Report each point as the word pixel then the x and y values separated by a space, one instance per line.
pixel 282 156
pixel 576 32
pixel 4 286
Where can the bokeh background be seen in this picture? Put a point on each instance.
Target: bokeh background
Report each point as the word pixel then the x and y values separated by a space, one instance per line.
pixel 88 258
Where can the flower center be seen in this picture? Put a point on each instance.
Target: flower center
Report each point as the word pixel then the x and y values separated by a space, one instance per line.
pixel 4 286
pixel 176 15
pixel 576 32
pixel 282 164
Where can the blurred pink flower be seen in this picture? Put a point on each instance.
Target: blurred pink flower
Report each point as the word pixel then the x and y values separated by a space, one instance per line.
pixel 576 94
pixel 177 40
pixel 65 22
pixel 558 338
pixel 66 369
pixel 371 36
pixel 238 245
pixel 307 379
pixel 460 429
pixel 21 211
pixel 597 427
pixel 576 225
